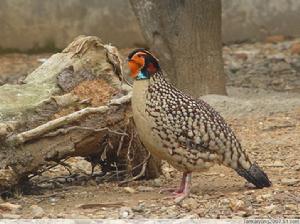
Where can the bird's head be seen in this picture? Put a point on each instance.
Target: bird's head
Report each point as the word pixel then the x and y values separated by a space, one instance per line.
pixel 142 64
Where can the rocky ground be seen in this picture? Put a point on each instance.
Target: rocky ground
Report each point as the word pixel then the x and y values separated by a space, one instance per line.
pixel 262 106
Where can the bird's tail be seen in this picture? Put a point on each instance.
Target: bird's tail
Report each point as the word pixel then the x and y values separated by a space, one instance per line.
pixel 254 175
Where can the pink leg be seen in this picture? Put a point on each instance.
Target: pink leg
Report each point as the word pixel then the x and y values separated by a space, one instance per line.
pixel 182 184
pixel 186 189
pixel 174 190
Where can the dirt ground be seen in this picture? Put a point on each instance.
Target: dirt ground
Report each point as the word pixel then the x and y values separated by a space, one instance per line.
pixel 265 117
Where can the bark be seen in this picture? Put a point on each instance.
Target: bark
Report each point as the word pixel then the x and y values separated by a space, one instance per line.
pixel 186 37
pixel 75 104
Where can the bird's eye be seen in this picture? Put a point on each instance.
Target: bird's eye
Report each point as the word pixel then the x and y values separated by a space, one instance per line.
pixel 139 55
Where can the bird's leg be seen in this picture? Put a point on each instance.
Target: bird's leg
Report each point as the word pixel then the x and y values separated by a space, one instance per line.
pixel 182 184
pixel 174 190
pixel 186 189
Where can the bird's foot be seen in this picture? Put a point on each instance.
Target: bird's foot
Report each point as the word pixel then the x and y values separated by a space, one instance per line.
pixel 177 196
pixel 183 191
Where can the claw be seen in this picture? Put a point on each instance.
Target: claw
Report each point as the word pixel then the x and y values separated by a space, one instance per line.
pixel 183 191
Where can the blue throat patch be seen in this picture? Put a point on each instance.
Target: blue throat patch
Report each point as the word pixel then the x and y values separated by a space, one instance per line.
pixel 142 76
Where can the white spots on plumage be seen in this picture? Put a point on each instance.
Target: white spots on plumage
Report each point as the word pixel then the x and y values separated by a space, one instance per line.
pixel 205 137
pixel 213 145
pixel 190 133
pixel 212 156
pixel 182 139
pixel 197 140
pixel 190 129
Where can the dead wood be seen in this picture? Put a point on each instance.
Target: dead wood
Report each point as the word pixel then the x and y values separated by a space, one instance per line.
pixel 75 104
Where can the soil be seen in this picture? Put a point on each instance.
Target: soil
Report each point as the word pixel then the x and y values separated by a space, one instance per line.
pixel 265 118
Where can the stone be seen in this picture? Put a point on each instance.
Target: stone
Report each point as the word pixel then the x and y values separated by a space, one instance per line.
pixel 275 39
pixel 139 208
pixel 224 201
pixel 297 167
pixel 157 182
pixel 269 208
pixel 191 216
pixel 278 163
pixel 237 205
pixel 10 216
pixel 37 212
pixel 6 206
pixel 295 48
pixel 190 203
pixel 145 188
pixel 130 190
pixel 291 207
pixel 289 181
pixel 125 213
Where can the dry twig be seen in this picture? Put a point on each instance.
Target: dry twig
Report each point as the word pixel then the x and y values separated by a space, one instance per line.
pixel 145 162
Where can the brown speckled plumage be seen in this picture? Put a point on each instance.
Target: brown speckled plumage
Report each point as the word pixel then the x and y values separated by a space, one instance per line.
pixel 187 132
pixel 193 133
pixel 191 128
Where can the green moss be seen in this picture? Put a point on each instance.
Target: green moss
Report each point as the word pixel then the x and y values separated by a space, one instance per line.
pixel 17 99
pixel 40 85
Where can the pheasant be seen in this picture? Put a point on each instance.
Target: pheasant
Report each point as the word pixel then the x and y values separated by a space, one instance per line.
pixel 186 132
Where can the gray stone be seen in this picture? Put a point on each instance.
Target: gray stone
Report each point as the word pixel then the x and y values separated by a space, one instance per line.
pixel 125 213
pixel 145 188
pixel 290 181
pixel 37 212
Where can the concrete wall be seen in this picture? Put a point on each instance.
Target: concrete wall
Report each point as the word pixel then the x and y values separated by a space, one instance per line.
pixel 27 24
pixel 256 19
pixel 49 24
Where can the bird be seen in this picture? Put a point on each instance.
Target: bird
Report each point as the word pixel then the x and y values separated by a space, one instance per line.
pixel 186 132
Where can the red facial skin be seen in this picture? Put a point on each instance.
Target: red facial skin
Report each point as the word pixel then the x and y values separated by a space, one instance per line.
pixel 136 63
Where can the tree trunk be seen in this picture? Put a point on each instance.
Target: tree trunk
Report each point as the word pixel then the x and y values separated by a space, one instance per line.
pixel 186 37
pixel 73 105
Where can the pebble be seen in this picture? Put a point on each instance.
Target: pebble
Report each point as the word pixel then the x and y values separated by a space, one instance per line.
pixel 237 205
pixel 126 213
pixel 290 181
pixel 297 167
pixel 145 188
pixel 291 207
pixel 130 190
pixel 275 39
pixel 278 163
pixel 261 198
pixel 139 208
pixel 295 48
pixel 157 182
pixel 190 203
pixel 191 216
pixel 37 211
pixel 60 215
pixel 6 206
pixel 10 216
pixel 269 208
pixel 224 201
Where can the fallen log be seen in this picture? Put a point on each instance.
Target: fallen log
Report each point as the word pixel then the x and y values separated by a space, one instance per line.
pixel 75 104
